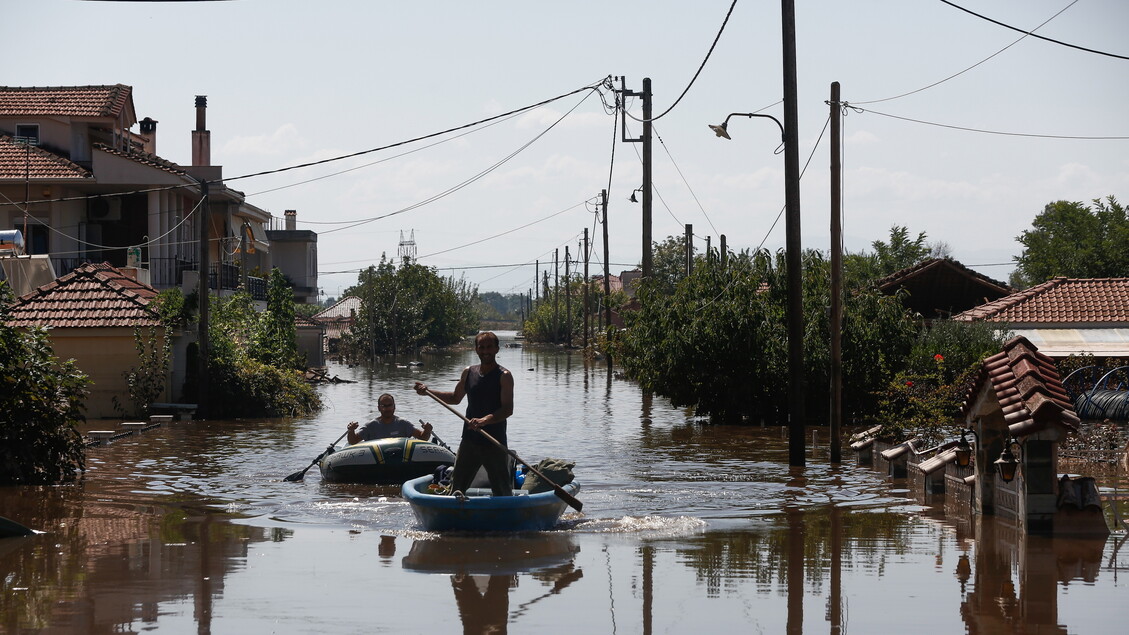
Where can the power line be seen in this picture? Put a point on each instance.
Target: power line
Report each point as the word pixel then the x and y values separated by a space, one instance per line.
pixel 1033 34
pixel 955 75
pixel 983 131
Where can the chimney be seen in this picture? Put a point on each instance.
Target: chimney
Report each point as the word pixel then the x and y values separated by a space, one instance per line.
pixel 291 219
pixel 149 134
pixel 201 138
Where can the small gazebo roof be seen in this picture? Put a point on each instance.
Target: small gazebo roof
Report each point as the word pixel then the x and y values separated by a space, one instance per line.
pixel 1028 388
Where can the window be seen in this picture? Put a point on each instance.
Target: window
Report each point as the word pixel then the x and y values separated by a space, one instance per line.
pixel 28 132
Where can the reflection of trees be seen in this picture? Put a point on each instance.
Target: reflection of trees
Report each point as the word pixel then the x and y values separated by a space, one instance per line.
pixel 866 539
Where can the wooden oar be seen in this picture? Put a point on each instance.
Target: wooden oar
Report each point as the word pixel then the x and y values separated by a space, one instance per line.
pixel 560 491
pixel 297 476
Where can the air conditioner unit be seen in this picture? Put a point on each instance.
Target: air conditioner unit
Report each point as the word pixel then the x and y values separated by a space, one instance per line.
pixel 100 210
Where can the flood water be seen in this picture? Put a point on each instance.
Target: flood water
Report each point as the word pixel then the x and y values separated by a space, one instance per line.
pixel 190 528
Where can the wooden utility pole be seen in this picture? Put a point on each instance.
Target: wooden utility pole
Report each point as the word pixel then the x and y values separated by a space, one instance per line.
pixel 795 315
pixel 202 344
pixel 689 249
pixel 587 310
pixel 836 277
pixel 568 300
pixel 724 251
pixel 607 270
pixel 556 296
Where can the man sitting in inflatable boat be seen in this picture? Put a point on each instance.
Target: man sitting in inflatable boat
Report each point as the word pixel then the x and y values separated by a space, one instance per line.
pixel 386 425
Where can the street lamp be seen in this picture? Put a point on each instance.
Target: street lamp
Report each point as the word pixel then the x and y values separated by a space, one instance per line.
pixel 794 313
pixel 722 130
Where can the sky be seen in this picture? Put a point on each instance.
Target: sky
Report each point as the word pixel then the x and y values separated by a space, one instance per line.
pixel 956 127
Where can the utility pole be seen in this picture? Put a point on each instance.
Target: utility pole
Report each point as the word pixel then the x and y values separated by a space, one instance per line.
pixel 836 276
pixel 202 344
pixel 795 315
pixel 587 317
pixel 648 257
pixel 689 249
pixel 568 300
pixel 556 296
pixel 724 251
pixel 607 272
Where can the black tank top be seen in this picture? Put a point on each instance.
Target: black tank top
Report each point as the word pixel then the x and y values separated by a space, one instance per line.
pixel 484 396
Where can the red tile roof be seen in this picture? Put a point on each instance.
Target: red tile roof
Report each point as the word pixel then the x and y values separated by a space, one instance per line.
pixel 69 101
pixel 940 287
pixel 93 295
pixel 1027 386
pixel 1090 301
pixel 18 161
pixel 143 158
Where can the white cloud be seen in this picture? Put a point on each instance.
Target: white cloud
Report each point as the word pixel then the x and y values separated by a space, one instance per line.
pixel 284 139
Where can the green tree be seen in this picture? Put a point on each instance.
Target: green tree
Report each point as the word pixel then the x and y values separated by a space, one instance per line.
pixel 41 401
pixel 408 307
pixel 718 343
pixel 274 341
pixel 147 380
pixel 240 383
pixel 1073 240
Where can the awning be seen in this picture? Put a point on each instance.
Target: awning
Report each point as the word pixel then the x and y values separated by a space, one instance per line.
pixel 1064 342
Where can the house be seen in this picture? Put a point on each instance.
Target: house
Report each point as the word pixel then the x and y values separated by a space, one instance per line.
pixel 81 185
pixel 296 256
pixel 310 337
pixel 93 312
pixel 941 287
pixel 338 320
pixel 1065 316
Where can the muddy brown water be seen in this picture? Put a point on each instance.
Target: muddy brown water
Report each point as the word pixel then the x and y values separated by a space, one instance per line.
pixel 189 528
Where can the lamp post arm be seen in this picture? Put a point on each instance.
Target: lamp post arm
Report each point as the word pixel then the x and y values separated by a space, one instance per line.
pixel 753 114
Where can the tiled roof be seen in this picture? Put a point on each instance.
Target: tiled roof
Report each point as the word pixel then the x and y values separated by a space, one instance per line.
pixel 19 161
pixel 343 309
pixel 1028 388
pixel 942 286
pixel 143 158
pixel 69 101
pixel 1059 301
pixel 93 295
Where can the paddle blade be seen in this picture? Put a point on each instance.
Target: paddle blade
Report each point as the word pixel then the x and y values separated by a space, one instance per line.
pixel 297 476
pixel 570 499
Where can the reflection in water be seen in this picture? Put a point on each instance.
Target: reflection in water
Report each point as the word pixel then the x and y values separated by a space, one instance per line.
pixel 485 568
pixel 190 528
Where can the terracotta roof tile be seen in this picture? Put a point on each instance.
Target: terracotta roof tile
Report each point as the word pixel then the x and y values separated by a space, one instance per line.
pixel 19 161
pixel 93 295
pixel 72 101
pixel 1027 386
pixel 343 309
pixel 1058 301
pixel 143 158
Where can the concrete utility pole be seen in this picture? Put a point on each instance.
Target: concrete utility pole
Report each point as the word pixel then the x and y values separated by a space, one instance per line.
pixel 836 325
pixel 648 256
pixel 796 418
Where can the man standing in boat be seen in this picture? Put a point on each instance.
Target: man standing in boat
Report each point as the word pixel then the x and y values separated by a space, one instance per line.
pixel 489 389
pixel 386 425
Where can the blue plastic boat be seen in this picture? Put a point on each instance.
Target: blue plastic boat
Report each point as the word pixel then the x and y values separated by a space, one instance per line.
pixel 480 511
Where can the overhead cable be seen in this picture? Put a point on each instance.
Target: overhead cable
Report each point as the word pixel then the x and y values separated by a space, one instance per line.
pixel 958 74
pixel 1033 34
